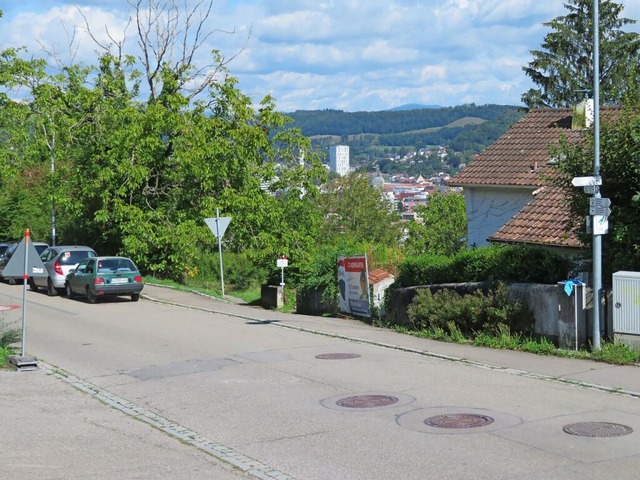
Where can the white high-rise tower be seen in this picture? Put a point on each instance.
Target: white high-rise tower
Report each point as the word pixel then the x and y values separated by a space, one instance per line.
pixel 339 159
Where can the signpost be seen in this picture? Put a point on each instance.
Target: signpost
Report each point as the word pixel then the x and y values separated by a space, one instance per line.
pixel 25 262
pixel 598 223
pixel 282 263
pixel 218 226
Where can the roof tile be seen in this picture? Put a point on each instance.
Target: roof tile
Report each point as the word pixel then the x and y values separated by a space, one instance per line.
pixel 520 157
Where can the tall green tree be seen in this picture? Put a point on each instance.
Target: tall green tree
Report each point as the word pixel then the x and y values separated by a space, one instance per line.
pixel 136 175
pixel 353 208
pixel 24 195
pixel 441 228
pixel 620 171
pixel 563 68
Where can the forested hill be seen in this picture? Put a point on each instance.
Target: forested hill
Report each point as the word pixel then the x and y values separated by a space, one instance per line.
pixel 337 122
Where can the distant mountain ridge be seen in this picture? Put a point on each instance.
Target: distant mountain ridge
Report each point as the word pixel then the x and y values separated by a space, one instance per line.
pixel 338 122
pixel 412 106
pixel 370 135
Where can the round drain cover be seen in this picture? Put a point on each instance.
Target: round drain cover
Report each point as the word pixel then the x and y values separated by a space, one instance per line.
pixel 459 420
pixel 337 356
pixel 367 401
pixel 597 429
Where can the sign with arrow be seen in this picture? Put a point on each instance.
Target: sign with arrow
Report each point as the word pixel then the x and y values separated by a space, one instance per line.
pixel 586 181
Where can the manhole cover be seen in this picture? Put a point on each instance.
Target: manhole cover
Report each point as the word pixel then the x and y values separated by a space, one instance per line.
pixel 367 401
pixel 337 356
pixel 597 429
pixel 459 420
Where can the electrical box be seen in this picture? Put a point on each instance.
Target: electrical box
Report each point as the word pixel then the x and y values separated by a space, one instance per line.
pixel 626 303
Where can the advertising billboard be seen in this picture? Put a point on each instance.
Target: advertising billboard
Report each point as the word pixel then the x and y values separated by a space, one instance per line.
pixel 353 283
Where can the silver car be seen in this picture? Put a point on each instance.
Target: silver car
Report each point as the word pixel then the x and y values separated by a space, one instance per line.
pixel 58 262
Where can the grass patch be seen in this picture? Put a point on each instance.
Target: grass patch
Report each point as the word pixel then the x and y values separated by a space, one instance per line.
pixel 8 336
pixel 251 295
pixel 615 353
pixel 4 353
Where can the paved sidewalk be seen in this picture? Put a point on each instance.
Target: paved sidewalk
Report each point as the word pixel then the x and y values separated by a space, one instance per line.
pixel 603 376
pixel 53 431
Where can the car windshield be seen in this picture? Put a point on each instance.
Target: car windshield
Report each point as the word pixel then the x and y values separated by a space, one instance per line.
pixel 116 265
pixel 3 248
pixel 41 248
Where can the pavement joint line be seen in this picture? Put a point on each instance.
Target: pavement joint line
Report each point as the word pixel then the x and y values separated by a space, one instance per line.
pixel 217 450
pixel 426 353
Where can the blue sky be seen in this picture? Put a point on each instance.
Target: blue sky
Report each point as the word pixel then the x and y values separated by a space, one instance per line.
pixel 351 55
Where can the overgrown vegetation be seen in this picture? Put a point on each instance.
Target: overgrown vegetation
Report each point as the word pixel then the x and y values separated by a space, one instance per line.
pixel 615 353
pixel 489 311
pixel 8 337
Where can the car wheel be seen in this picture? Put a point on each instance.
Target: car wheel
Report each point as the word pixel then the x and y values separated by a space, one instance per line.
pixel 51 290
pixel 67 290
pixel 135 297
pixel 32 285
pixel 91 298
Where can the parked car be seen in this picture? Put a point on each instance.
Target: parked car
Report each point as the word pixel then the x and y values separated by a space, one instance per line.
pixel 58 262
pixel 3 248
pixel 97 277
pixel 8 253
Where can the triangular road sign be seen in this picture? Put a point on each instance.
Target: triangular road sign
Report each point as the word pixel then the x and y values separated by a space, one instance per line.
pixel 218 225
pixel 15 266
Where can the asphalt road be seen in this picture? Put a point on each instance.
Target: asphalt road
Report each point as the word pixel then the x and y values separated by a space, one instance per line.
pixel 227 391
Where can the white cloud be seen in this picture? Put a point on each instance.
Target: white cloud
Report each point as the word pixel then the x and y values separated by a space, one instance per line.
pixel 349 54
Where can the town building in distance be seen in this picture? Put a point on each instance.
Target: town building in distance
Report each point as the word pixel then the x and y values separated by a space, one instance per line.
pixel 339 159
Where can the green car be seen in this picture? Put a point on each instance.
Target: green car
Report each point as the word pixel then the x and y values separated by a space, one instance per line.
pixel 97 277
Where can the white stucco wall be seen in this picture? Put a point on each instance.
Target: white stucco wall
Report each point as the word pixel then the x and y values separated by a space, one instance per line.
pixel 489 208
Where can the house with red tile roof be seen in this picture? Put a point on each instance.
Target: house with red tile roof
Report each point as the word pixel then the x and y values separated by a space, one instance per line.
pixel 508 194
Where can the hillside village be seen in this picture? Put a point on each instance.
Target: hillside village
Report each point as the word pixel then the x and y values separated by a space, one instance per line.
pixel 402 191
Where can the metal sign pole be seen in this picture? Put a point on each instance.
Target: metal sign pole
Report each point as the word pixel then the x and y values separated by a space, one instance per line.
pixel 25 276
pixel 597 239
pixel 220 249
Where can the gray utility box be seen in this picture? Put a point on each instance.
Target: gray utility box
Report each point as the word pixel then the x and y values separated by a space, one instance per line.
pixel 626 308
pixel 572 318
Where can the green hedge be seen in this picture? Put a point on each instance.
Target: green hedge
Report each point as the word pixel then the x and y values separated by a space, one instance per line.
pixel 511 263
pixel 476 312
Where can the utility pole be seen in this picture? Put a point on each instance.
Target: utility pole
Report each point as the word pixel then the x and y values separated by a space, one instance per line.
pixel 597 238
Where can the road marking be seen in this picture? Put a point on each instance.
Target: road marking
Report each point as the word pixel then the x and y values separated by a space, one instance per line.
pixel 4 308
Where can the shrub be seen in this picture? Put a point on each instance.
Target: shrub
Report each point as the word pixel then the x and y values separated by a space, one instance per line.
pixel 490 312
pixel 531 264
pixel 424 270
pixel 240 273
pixel 510 263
